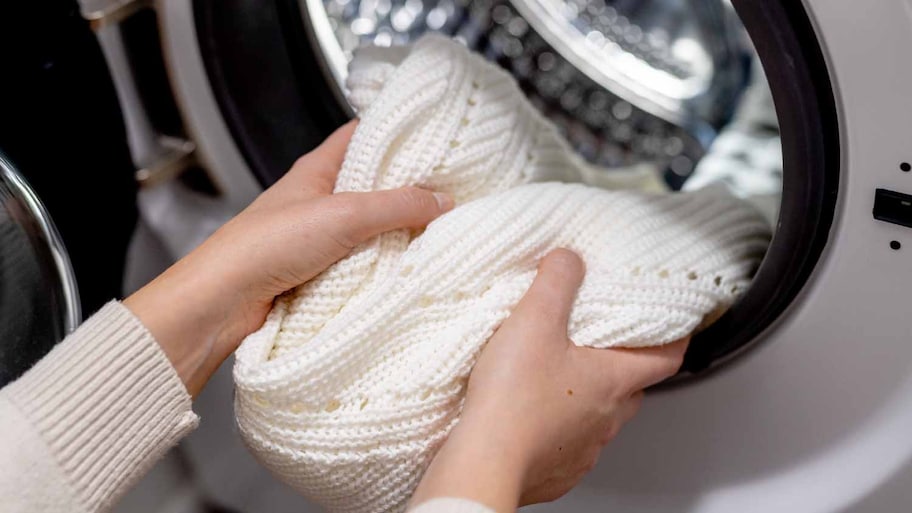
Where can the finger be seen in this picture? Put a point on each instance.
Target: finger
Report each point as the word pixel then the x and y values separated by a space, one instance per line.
pixel 636 369
pixel 551 295
pixel 368 214
pixel 319 169
pixel 629 370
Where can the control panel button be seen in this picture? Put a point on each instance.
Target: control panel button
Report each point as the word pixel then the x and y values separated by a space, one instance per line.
pixel 893 207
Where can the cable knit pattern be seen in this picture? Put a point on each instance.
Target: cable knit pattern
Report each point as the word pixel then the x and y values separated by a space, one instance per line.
pixel 357 376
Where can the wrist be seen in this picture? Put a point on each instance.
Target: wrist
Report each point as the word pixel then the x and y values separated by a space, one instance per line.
pixel 476 464
pixel 190 318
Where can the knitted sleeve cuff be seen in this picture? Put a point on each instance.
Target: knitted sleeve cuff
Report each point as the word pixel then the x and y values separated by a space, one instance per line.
pixel 450 505
pixel 107 403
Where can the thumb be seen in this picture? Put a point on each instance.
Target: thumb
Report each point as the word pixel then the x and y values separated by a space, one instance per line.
pixel 368 214
pixel 551 296
pixel 317 171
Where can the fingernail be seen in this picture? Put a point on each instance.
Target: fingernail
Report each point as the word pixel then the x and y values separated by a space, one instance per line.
pixel 444 201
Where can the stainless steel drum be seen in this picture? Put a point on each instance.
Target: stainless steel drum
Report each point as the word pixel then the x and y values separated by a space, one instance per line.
pixel 39 301
pixel 627 81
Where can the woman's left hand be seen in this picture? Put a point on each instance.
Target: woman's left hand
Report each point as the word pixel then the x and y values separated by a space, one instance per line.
pixel 201 308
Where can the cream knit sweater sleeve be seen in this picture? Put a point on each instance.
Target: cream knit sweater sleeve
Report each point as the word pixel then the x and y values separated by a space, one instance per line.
pixel 89 419
pixel 450 505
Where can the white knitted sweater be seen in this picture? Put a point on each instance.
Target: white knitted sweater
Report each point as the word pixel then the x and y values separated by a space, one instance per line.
pixel 357 376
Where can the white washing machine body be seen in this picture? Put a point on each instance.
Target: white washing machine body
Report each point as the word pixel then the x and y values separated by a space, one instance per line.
pixel 816 415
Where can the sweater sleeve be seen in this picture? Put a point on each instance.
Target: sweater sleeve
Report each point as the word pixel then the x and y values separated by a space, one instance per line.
pixel 450 505
pixel 89 419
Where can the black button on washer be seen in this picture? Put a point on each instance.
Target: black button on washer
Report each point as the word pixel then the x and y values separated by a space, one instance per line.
pixel 893 207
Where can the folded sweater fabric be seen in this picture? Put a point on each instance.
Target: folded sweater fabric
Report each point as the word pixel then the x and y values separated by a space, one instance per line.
pixel 357 376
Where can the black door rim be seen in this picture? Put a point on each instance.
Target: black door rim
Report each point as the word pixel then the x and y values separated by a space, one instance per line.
pixel 799 79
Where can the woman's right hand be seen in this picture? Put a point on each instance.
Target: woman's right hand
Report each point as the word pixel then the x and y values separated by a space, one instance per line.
pixel 201 308
pixel 539 409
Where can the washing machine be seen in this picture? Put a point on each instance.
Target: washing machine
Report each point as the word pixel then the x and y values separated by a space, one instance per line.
pixel 799 398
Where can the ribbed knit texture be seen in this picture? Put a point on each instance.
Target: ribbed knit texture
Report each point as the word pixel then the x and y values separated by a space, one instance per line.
pixel 357 376
pixel 107 403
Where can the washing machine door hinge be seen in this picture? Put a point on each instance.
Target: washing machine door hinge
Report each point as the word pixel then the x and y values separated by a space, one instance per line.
pixel 103 13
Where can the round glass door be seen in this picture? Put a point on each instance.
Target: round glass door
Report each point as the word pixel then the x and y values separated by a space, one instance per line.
pixel 39 301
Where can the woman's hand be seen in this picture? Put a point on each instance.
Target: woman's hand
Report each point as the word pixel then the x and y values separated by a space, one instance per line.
pixel 539 409
pixel 201 308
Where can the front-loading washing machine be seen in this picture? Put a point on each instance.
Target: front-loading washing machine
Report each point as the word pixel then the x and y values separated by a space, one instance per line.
pixel 800 397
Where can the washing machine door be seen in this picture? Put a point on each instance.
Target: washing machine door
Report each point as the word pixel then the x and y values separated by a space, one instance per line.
pixel 39 303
